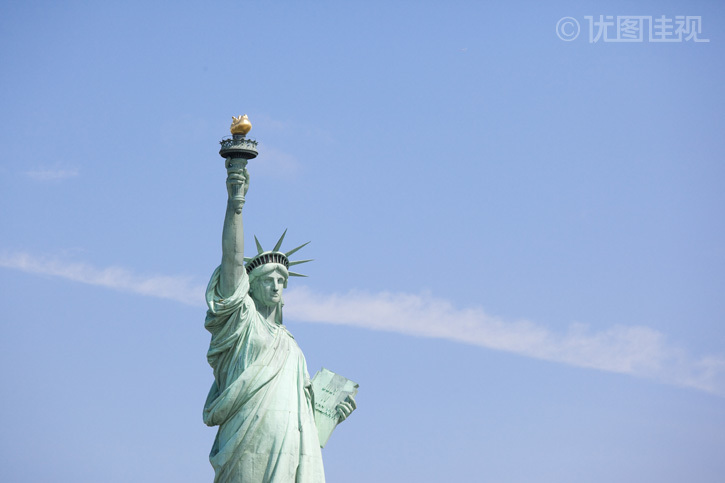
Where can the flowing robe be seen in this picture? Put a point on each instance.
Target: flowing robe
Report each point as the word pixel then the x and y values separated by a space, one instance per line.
pixel 260 398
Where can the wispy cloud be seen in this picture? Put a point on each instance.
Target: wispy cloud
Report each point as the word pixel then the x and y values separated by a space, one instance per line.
pixel 52 174
pixel 180 288
pixel 637 351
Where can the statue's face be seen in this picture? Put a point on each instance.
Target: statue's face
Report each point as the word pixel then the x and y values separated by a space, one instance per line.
pixel 268 289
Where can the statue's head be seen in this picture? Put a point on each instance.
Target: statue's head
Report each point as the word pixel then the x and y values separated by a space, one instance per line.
pixel 266 283
pixel 268 273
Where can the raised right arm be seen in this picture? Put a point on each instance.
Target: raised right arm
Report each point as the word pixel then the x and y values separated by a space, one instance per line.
pixel 232 266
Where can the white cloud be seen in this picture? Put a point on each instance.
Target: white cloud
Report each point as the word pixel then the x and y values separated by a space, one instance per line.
pixel 180 289
pixel 52 174
pixel 637 351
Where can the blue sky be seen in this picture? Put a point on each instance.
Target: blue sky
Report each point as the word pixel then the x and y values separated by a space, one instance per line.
pixel 517 239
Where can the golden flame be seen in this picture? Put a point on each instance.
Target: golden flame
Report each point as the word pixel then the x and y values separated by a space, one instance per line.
pixel 240 125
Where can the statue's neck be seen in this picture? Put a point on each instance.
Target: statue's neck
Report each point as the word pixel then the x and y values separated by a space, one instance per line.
pixel 268 313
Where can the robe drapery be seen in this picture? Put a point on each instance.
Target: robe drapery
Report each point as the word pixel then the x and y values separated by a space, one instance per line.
pixel 260 398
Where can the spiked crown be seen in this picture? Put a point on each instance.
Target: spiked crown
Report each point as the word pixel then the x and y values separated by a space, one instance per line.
pixel 274 256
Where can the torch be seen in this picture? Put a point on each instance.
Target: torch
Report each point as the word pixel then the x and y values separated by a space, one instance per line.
pixel 236 151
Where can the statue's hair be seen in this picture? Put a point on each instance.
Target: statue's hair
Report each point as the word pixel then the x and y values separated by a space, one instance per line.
pixel 266 269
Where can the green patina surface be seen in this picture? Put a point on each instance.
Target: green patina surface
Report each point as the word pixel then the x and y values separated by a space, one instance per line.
pixel 262 398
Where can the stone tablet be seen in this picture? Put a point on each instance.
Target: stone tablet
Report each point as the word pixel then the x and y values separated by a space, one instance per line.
pixel 330 390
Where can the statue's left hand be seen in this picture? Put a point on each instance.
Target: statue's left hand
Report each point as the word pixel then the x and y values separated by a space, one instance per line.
pixel 345 408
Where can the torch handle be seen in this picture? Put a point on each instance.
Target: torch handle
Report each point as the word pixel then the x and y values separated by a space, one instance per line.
pixel 236 192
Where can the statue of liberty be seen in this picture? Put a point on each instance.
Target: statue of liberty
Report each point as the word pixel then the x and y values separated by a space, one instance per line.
pixel 262 397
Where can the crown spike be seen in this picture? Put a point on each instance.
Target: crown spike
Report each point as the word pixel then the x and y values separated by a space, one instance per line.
pixel 295 249
pixel 274 256
pixel 279 242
